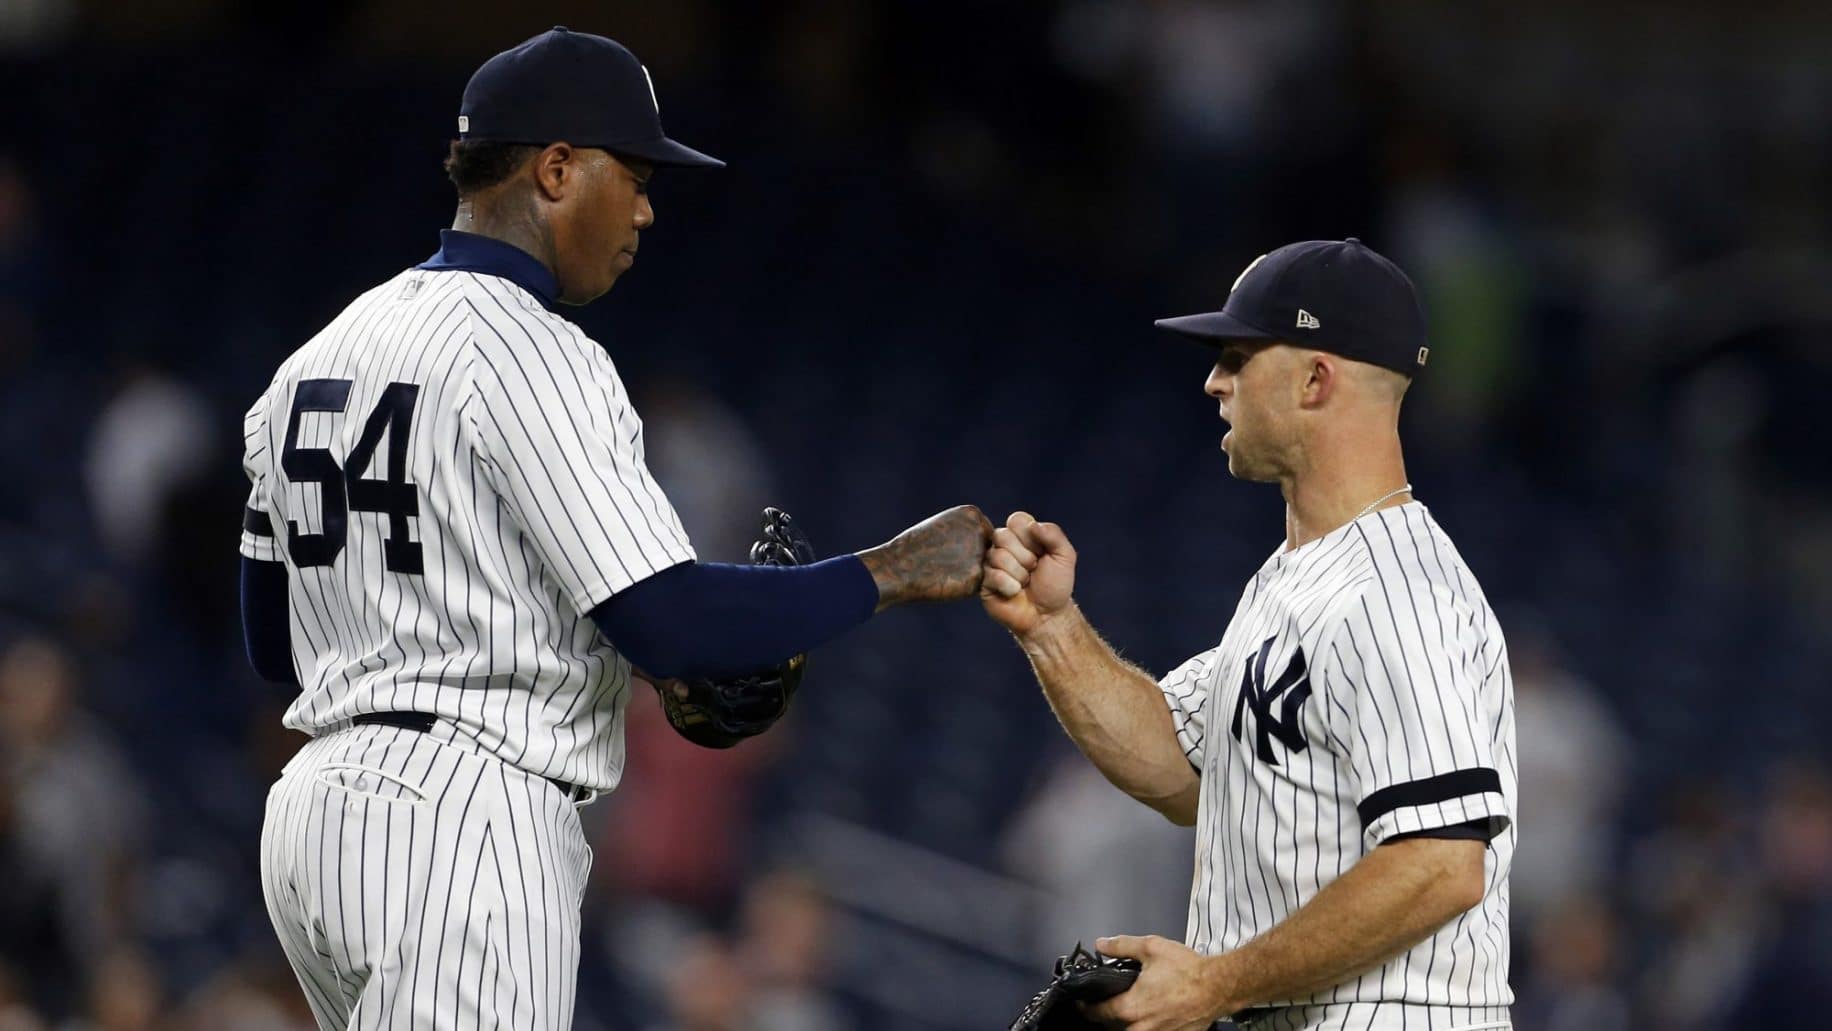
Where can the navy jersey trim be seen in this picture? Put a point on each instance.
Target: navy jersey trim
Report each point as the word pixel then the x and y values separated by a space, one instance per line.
pixel 1441 788
pixel 258 523
pixel 460 251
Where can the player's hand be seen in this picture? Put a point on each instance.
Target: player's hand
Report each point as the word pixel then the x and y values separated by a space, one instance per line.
pixel 1029 573
pixel 938 559
pixel 1178 989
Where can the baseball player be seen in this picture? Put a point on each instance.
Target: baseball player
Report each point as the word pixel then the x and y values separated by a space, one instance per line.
pixel 454 548
pixel 1346 752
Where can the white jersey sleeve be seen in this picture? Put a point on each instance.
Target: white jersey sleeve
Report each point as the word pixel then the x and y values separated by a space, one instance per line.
pixel 1186 689
pixel 556 433
pixel 259 540
pixel 1402 680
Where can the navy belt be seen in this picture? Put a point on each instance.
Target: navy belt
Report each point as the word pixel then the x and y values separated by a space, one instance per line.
pixel 423 722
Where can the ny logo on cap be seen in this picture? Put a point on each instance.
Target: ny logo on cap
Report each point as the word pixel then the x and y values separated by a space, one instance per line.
pixel 651 80
pixel 1308 321
pixel 1243 272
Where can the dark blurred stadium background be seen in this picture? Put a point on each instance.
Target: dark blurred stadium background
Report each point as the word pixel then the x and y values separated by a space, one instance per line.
pixel 926 278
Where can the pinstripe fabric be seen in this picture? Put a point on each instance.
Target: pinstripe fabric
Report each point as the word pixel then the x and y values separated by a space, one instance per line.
pixel 416 884
pixel 534 504
pixel 1361 690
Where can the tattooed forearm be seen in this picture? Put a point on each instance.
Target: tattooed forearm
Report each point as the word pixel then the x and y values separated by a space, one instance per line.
pixel 938 559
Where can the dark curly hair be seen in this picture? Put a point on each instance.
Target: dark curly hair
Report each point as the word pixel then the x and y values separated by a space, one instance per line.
pixel 474 165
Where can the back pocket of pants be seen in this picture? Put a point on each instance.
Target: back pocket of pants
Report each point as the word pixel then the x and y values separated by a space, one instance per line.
pixel 368 782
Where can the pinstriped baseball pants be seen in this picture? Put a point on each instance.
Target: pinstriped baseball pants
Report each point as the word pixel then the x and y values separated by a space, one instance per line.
pixel 419 885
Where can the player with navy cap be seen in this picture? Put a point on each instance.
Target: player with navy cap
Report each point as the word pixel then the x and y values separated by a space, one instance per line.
pixel 1346 750
pixel 454 547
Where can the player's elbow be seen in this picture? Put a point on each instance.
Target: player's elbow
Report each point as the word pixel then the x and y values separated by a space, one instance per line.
pixel 1181 816
pixel 1466 885
pixel 652 645
pixel 1177 805
pixel 1460 879
pixel 1180 810
pixel 656 662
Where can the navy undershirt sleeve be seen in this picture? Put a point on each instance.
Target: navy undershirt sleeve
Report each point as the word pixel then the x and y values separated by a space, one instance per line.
pixel 708 619
pixel 265 624
pixel 1475 830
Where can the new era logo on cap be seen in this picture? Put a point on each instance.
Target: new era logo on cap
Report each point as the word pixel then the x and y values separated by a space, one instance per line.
pixel 1308 321
pixel 464 124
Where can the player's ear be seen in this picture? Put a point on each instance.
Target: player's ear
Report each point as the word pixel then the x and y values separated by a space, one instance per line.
pixel 554 170
pixel 1321 377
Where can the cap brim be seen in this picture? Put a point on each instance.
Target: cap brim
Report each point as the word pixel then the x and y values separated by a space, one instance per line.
pixel 1213 327
pixel 667 152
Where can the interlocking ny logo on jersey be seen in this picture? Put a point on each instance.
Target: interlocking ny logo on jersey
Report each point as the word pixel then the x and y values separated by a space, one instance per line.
pixel 1290 691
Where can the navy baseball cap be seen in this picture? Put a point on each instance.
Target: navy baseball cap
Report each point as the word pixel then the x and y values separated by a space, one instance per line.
pixel 1332 295
pixel 575 87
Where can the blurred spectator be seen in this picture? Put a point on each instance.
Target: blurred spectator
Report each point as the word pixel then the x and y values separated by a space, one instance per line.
pixel 153 439
pixel 1213 84
pixel 124 995
pixel 1571 769
pixel 1208 68
pixel 786 938
pixel 1790 982
pixel 76 807
pixel 38 967
pixel 159 502
pixel 1576 982
pixel 30 26
pixel 17 1012
pixel 1476 289
pixel 1109 864
pixel 1692 885
pixel 677 824
pixel 20 278
pixel 248 997
pixel 708 989
pixel 711 466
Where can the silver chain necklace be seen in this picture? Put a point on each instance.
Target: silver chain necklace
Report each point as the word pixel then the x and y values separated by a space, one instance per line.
pixel 1407 489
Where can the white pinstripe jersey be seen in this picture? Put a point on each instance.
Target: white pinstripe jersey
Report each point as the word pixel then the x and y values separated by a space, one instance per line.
pixel 1360 691
pixel 454 476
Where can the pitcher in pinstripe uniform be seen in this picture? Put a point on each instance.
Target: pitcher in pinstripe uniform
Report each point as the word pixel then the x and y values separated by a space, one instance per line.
pixel 454 548
pixel 1346 751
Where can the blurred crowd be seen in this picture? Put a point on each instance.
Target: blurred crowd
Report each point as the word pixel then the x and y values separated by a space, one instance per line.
pixel 927 277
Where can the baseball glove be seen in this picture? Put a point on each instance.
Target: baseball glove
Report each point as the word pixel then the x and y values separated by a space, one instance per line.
pixel 721 713
pixel 1080 976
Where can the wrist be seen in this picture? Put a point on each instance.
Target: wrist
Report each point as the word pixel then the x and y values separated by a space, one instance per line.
pixel 1052 632
pixel 877 562
pixel 1227 979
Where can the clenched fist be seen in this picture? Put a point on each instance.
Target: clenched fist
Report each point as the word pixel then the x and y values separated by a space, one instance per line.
pixel 1029 573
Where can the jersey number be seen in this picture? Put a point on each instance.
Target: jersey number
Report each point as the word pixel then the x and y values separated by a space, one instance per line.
pixel 342 489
